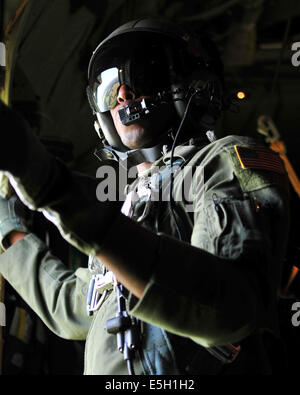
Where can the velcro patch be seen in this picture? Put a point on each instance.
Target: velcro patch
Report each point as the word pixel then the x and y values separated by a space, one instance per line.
pixel 259 158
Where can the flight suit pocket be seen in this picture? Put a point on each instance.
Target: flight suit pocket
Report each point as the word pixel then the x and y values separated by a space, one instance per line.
pixel 233 227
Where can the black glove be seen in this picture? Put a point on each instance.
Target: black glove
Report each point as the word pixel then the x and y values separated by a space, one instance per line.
pixel 22 155
pixel 44 183
pixel 14 141
pixel 14 216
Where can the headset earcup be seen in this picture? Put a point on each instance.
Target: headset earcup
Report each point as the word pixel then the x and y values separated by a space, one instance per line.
pixel 109 131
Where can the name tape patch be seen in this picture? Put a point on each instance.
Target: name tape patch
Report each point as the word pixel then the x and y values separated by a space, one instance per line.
pixel 259 158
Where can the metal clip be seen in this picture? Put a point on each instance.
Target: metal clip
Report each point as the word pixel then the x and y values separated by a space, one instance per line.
pixel 104 281
pixel 98 287
pixel 91 296
pixel 226 354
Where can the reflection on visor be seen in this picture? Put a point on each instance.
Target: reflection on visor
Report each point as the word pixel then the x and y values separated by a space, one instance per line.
pixel 106 92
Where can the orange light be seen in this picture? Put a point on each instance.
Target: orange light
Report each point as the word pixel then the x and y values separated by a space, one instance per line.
pixel 241 95
pixel 293 274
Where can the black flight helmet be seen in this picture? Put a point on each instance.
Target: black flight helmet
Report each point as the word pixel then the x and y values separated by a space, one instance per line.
pixel 162 61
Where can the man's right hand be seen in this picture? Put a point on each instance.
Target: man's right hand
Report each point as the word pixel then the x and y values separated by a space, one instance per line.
pixel 14 141
pixel 23 158
pixel 46 184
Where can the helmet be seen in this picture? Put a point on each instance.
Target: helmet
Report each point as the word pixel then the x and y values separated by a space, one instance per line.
pixel 162 61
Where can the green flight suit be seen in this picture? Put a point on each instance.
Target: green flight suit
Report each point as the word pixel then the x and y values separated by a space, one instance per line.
pixel 216 286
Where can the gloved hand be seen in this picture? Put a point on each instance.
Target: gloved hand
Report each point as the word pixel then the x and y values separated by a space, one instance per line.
pixel 14 140
pixel 21 153
pixel 44 183
pixel 14 216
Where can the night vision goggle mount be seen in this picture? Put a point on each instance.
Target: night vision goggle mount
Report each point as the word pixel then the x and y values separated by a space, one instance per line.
pixel 205 95
pixel 138 110
pixel 135 111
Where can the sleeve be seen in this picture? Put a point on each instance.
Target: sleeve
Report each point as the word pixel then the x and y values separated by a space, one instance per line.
pixel 222 286
pixel 56 294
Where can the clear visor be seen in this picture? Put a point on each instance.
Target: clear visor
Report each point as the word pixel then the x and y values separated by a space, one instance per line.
pixel 105 90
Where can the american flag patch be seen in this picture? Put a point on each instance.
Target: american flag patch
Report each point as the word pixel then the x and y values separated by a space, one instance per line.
pixel 259 158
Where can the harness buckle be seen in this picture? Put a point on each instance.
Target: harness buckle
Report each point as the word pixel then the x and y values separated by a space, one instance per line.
pixel 99 285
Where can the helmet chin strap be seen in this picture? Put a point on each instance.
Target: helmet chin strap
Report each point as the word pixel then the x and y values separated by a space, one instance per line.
pixel 136 157
pixel 114 149
pixel 132 157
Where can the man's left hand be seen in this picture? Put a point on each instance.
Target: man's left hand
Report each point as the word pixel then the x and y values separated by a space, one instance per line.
pixel 14 217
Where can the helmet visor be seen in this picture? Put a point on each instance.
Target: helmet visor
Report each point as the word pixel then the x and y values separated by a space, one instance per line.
pixel 144 69
pixel 105 91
